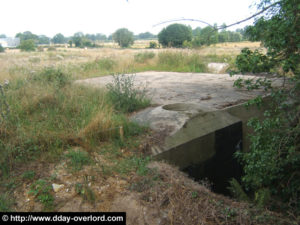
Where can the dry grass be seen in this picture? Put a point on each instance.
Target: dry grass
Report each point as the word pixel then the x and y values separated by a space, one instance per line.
pixel 101 127
pixel 14 63
pixel 180 200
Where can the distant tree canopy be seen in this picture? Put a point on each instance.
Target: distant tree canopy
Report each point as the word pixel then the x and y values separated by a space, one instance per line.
pixel 146 35
pixel 27 35
pixel 2 36
pixel 44 40
pixel 123 37
pixel 80 40
pixel 96 37
pixel 174 35
pixel 59 39
pixel 210 35
pixel 38 39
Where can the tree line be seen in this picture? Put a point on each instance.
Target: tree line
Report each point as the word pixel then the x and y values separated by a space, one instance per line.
pixel 175 35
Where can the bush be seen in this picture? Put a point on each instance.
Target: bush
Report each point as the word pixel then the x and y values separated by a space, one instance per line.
pixel 1 48
pixel 254 62
pixel 144 57
pixel 174 35
pixel 271 167
pixel 125 96
pixel 153 44
pixel 27 45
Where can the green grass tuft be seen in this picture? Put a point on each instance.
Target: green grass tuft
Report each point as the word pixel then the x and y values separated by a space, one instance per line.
pixel 78 159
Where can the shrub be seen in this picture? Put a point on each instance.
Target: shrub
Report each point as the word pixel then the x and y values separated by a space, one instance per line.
pixel 125 96
pixel 174 35
pixel 41 189
pixel 144 56
pixel 1 48
pixel 153 44
pixel 27 45
pixel 254 62
pixel 271 167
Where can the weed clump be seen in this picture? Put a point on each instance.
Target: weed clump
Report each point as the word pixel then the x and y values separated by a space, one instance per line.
pixel 125 96
pixel 78 159
pixel 52 75
pixel 5 203
pixel 41 189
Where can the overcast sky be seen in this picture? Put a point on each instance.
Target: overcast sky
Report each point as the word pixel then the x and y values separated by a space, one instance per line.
pixel 50 17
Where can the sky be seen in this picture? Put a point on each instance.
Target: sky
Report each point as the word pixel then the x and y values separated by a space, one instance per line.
pixel 49 17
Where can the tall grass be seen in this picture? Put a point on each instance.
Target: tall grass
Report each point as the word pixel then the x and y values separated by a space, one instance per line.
pixel 180 62
pixel 48 114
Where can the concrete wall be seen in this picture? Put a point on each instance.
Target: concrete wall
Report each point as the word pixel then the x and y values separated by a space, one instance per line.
pixel 196 141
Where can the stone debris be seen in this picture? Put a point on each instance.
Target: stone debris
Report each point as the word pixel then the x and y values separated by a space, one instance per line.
pixel 57 187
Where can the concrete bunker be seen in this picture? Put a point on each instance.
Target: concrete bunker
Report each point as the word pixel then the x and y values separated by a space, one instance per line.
pixel 197 130
pixel 201 142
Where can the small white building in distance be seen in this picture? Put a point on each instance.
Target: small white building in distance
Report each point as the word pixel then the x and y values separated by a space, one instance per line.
pixel 9 42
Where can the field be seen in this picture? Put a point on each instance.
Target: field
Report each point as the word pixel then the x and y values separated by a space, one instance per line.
pixel 56 133
pixel 83 63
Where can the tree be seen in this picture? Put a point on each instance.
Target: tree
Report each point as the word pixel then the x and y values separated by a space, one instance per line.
pixel 196 31
pixel 174 35
pixel 271 167
pixel 123 37
pixel 209 35
pixel 27 45
pixel 2 36
pixel 223 36
pixel 78 39
pixel 59 39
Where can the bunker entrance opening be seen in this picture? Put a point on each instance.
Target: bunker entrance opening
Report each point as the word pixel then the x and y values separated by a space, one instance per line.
pixel 223 166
